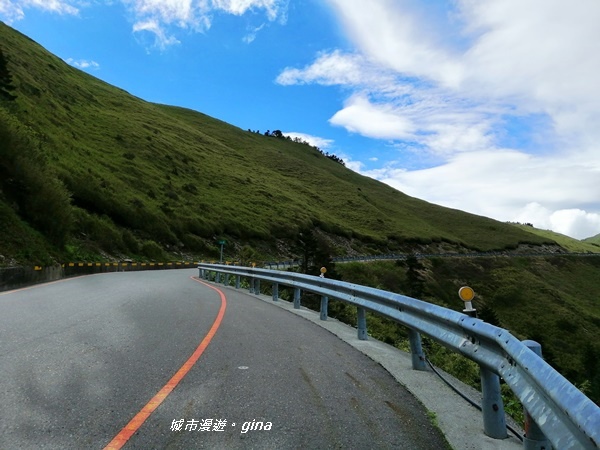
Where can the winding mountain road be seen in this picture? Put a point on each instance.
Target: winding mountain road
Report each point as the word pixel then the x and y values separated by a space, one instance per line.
pixel 100 362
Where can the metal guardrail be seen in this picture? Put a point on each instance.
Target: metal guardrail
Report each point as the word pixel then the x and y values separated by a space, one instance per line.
pixel 560 413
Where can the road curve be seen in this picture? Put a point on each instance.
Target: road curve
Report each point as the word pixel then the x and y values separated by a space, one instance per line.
pixel 80 358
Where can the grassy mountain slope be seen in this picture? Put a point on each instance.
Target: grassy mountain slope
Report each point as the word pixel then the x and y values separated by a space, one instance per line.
pixel 594 240
pixel 589 245
pixel 143 176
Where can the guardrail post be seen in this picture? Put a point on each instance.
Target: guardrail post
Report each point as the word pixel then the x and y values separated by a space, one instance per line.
pixel 296 298
pixel 534 438
pixel 362 324
pixel 416 350
pixel 226 282
pixel 275 292
pixel 238 281
pixel 217 276
pixel 494 421
pixel 324 305
pixel 257 286
pixel 251 283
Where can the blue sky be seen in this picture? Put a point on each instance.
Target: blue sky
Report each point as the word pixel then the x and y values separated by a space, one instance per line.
pixel 488 106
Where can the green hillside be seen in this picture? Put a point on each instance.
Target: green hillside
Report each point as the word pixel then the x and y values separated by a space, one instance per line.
pixel 590 245
pixel 90 170
pixel 594 240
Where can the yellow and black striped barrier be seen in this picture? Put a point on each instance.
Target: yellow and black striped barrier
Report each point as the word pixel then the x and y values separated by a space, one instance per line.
pixel 74 267
pixel 88 267
pixel 16 277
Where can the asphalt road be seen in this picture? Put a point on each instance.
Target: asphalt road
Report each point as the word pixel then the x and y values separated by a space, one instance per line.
pixel 81 357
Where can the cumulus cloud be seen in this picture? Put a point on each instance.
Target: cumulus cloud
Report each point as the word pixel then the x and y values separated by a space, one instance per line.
pixel 502 95
pixel 382 121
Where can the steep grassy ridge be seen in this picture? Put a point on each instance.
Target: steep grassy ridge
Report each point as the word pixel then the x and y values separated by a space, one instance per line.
pixel 142 173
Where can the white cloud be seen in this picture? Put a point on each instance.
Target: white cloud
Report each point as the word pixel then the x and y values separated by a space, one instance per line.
pixel 395 34
pixel 83 63
pixel 273 8
pixel 161 39
pixel 163 17
pixel 252 33
pixel 337 68
pixel 382 121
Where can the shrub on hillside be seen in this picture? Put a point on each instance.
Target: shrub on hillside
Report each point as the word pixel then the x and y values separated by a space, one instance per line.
pixel 193 243
pixel 99 230
pixel 152 250
pixel 28 182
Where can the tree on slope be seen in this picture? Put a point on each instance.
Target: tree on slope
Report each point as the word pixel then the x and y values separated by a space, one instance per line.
pixel 6 86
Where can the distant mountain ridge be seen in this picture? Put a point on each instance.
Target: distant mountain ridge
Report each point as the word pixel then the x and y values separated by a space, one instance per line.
pixel 129 177
pixel 593 240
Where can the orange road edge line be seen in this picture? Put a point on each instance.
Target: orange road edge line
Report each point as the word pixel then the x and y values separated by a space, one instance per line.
pixel 134 425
